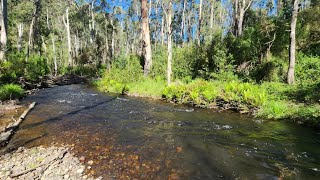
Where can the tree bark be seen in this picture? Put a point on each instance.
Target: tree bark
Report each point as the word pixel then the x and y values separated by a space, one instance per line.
pixel 48 24
pixel 240 8
pixel 30 41
pixel 293 42
pixel 54 57
pixel 146 43
pixel 169 14
pixel 199 22
pixel 67 25
pixel 4 29
pixel 162 30
pixel 20 34
pixel 183 22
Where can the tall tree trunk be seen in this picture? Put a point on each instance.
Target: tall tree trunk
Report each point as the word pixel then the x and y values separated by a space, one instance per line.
pixel 76 46
pixel 20 34
pixel 4 29
pixel 146 43
pixel 211 15
pixel 199 22
pixel 44 44
pixel 54 57
pixel 293 41
pixel 162 30
pixel 189 29
pixel 48 24
pixel 240 21
pixel 112 38
pixel 31 32
pixel 240 8
pixel 67 25
pixel 169 16
pixel 92 25
pixel 183 22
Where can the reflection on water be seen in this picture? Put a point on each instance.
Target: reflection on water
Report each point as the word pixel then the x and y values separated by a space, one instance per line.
pixel 145 139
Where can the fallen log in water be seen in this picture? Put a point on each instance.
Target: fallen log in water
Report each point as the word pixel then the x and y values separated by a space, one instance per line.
pixel 9 130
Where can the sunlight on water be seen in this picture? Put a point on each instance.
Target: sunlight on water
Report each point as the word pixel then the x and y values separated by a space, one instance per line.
pixel 145 139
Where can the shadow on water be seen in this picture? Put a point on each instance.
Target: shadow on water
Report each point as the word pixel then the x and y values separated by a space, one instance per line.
pixel 133 138
pixel 61 117
pixel 10 149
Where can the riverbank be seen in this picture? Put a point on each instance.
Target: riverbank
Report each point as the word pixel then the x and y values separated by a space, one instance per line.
pixel 270 100
pixel 43 163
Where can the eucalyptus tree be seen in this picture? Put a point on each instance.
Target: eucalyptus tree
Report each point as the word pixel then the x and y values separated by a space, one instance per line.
pixel 240 8
pixel 4 29
pixel 169 14
pixel 292 55
pixel 146 43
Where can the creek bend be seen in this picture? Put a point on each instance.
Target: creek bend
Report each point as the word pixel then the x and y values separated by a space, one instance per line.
pixel 137 138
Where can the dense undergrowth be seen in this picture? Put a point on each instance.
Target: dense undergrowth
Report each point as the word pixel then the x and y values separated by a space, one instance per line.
pixel 32 70
pixel 11 91
pixel 262 92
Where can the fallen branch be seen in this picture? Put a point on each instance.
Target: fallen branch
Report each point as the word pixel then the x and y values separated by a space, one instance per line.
pixel 60 157
pixel 8 132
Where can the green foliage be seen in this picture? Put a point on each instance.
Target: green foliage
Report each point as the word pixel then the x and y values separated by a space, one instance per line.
pixel 16 67
pixel 275 110
pixel 307 69
pixel 10 91
pixel 147 87
pixel 36 66
pixel 273 70
pixel 246 93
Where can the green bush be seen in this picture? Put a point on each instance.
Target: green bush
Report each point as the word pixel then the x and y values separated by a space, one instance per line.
pixel 17 66
pixel 307 69
pixel 10 91
pixel 12 69
pixel 36 66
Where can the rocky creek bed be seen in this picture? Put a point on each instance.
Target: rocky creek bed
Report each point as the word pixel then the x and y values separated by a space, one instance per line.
pixel 43 163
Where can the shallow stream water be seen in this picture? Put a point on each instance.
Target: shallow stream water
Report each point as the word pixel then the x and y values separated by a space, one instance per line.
pixel 136 138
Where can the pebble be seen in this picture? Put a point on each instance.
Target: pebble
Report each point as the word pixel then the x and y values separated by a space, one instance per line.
pixel 90 162
pixel 68 168
pixel 80 171
pixel 82 159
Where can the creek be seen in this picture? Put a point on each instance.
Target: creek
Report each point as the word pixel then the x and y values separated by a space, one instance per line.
pixel 137 138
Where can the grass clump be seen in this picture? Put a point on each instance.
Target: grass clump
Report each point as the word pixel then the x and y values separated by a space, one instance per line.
pixel 10 91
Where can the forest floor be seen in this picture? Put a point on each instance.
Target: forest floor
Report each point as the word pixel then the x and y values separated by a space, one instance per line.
pixel 43 163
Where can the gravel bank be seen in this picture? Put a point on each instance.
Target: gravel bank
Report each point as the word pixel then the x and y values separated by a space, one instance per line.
pixel 43 163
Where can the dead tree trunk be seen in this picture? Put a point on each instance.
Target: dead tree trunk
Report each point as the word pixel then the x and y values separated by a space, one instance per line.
pixel 146 43
pixel 292 54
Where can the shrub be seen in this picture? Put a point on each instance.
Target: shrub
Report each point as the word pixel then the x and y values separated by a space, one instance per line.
pixel 307 69
pixel 10 91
